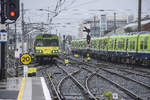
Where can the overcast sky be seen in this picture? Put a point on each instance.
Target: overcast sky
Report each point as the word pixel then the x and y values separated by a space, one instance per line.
pixel 75 11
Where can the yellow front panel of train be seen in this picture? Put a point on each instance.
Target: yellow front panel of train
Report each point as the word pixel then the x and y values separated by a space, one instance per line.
pixel 47 50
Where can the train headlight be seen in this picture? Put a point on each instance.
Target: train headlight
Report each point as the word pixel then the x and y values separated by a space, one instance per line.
pixel 55 51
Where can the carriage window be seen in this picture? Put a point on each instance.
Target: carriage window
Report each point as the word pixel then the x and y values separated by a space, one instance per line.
pixel 145 43
pixel 142 42
pixel 127 44
pixel 103 46
pixel 118 44
pixel 130 44
pixel 123 44
pixel 100 44
pixel 133 44
pixel 112 43
pixel 115 43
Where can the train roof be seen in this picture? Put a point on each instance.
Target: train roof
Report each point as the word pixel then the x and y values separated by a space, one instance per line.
pixel 133 34
pixel 46 36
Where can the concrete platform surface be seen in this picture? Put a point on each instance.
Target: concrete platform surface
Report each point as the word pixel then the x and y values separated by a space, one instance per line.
pixel 26 88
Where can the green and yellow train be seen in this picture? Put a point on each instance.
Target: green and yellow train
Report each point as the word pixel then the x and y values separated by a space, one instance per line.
pixel 133 48
pixel 46 46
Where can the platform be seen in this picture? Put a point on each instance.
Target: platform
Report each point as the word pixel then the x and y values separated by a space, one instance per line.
pixel 26 88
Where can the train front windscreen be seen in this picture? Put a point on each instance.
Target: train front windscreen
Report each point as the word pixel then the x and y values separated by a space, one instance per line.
pixel 46 42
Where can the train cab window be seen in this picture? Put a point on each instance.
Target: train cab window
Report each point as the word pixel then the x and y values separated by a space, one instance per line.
pixel 145 43
pixel 39 42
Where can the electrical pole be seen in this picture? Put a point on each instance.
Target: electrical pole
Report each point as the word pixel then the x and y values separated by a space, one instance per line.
pixel 94 26
pixel 48 15
pixel 23 34
pixel 2 66
pixel 15 40
pixel 15 43
pixel 114 22
pixel 139 14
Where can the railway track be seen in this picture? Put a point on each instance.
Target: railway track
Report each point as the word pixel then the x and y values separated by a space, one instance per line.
pixel 141 78
pixel 52 75
pixel 132 87
pixel 86 94
pixel 60 85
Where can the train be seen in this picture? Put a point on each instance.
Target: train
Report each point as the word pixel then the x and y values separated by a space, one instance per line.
pixel 123 48
pixel 46 47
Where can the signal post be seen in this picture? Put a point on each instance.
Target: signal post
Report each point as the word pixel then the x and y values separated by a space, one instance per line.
pixel 2 66
pixel 9 10
pixel 88 39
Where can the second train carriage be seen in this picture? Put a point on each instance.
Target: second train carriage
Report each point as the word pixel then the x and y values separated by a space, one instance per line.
pixel 133 48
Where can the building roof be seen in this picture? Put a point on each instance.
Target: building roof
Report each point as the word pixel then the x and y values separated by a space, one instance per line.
pixel 133 25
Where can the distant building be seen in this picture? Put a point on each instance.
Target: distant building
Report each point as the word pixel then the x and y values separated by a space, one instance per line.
pixel 95 27
pixel 120 22
pixel 103 24
pixel 130 18
pixel 107 23
pixel 100 25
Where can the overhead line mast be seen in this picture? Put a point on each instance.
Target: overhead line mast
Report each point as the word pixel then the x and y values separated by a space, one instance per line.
pixel 139 14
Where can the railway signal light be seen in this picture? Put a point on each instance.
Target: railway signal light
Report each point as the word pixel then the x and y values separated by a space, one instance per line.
pixel 88 38
pixel 12 9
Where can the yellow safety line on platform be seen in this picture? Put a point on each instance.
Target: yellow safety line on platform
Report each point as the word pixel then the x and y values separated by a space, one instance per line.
pixel 21 89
